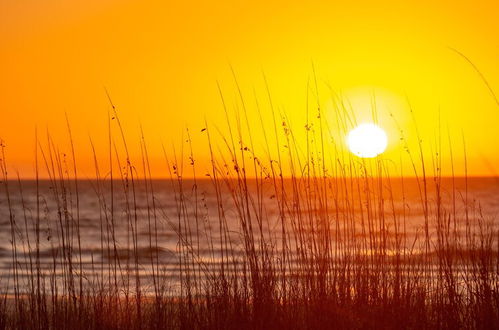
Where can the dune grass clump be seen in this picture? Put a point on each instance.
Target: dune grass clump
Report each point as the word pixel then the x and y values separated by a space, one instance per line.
pixel 299 236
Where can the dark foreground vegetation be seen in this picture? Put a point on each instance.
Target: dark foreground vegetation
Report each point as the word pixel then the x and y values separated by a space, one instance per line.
pixel 306 237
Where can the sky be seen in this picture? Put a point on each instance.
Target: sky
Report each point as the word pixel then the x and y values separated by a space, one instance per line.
pixel 162 63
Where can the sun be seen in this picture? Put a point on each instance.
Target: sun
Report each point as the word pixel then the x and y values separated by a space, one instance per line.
pixel 367 140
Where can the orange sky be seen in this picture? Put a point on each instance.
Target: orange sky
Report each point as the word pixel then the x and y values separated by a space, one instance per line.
pixel 161 60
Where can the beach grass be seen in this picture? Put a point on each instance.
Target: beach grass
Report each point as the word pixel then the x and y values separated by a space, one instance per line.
pixel 300 236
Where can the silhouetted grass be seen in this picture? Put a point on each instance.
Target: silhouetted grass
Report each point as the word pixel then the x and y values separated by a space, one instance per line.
pixel 301 236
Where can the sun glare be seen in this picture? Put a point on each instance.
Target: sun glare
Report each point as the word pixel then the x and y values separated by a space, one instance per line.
pixel 367 140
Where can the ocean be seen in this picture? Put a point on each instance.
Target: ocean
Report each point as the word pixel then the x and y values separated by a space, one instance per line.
pixel 128 233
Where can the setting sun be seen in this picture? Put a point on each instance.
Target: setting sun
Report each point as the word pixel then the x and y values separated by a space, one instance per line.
pixel 367 140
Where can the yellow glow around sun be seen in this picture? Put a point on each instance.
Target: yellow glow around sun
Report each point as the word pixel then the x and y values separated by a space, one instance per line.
pixel 367 140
